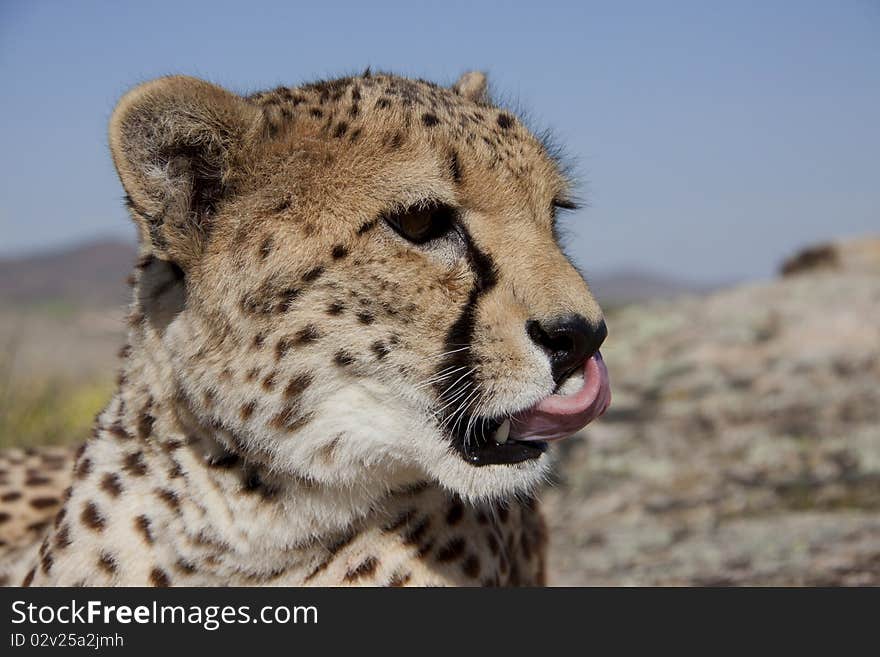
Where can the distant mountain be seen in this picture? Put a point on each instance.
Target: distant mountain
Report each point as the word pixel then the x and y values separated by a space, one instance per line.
pixel 622 287
pixel 87 275
pixel 93 275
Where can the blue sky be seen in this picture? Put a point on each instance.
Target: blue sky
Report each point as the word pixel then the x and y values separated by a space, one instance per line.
pixel 710 138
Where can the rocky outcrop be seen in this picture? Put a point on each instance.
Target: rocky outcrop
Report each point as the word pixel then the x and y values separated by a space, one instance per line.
pixel 742 445
pixel 851 255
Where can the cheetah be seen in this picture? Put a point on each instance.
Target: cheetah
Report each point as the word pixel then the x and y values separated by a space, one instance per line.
pixel 353 334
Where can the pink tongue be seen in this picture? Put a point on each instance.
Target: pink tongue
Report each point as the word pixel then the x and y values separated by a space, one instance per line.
pixel 558 416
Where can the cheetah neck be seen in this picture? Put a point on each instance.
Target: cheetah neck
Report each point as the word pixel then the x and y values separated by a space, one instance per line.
pixel 222 491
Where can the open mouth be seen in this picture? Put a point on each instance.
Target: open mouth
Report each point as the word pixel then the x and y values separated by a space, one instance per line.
pixel 523 436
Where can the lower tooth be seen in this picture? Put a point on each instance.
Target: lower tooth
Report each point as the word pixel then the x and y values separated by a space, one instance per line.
pixel 502 432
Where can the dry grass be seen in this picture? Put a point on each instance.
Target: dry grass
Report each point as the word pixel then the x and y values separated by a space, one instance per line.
pixel 49 412
pixel 54 378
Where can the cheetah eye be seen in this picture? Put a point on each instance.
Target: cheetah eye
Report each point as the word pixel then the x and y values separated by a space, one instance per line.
pixel 422 223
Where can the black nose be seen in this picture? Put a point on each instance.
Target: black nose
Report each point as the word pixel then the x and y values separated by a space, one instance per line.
pixel 569 341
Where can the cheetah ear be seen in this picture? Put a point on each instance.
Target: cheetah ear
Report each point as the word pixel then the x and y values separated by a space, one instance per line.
pixel 473 86
pixel 174 141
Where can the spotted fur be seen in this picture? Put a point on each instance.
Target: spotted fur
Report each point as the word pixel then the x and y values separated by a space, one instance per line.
pixel 286 411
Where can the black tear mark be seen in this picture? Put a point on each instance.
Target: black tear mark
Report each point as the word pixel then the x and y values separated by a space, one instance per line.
pixel 461 333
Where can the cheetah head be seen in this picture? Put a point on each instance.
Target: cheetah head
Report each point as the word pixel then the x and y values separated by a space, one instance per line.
pixel 359 281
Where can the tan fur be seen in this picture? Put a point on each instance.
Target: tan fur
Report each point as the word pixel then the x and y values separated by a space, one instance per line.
pixel 32 489
pixel 279 416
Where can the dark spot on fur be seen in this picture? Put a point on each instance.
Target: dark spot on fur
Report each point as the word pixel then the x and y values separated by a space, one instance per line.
pixel 396 140
pixel 313 274
pixel 383 103
pixel 62 537
pixel 452 550
pixel 399 578
pixel 455 513
pixel 335 308
pixel 505 121
pixel 44 502
pixel 145 425
pixel 134 464
pixel 83 468
pixel 471 566
pixel 118 431
pixel 282 347
pixel 332 550
pixel 366 318
pixel 247 410
pixel 269 381
pixel 10 497
pixel 307 334
pixel 159 578
pixel 415 489
pixel 339 252
pixel 367 227
pixel 92 518
pixel 253 483
pixel 380 349
pixel 170 498
pixel 429 119
pixel 297 385
pixel 343 358
pixel 415 533
pixel 266 248
pixel 46 562
pixel 142 524
pixel 316 112
pixel 455 167
pixel 186 567
pixel 364 569
pixel 62 512
pixel 290 419
pixel 224 461
pixel 111 484
pixel 107 563
pixel 340 130
pixel 282 205
pixel 286 298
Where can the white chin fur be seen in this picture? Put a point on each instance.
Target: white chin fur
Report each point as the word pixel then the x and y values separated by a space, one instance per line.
pixel 401 439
